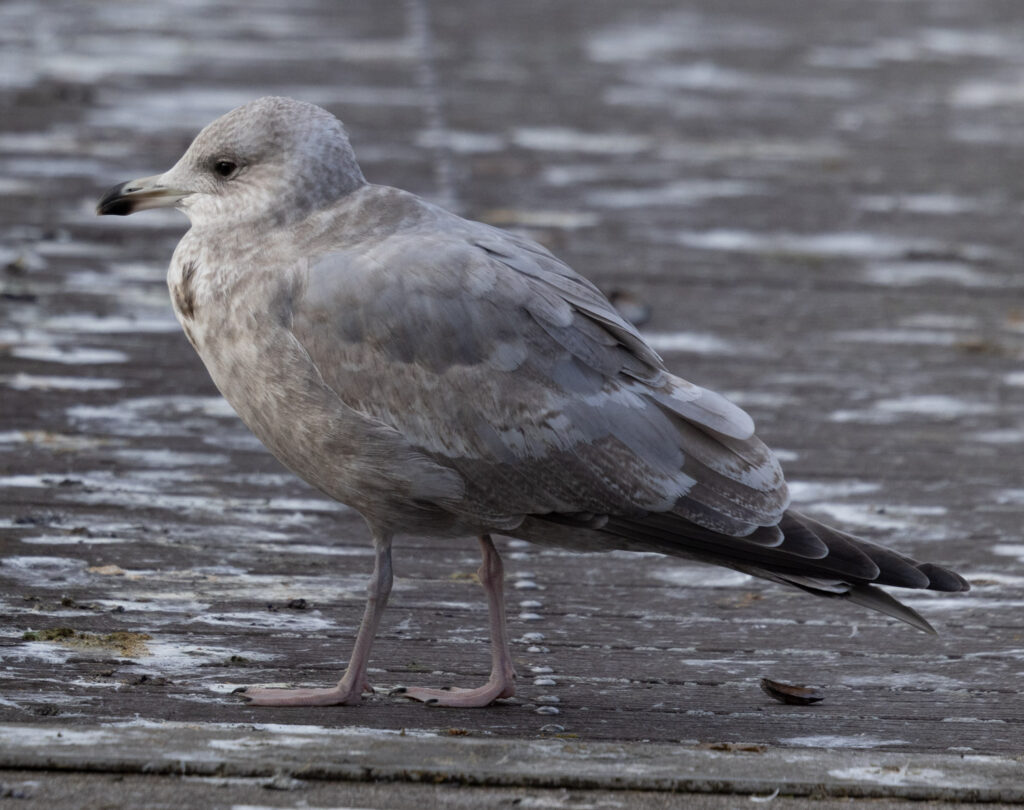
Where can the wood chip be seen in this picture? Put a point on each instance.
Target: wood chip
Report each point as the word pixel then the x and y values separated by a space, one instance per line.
pixel 791 693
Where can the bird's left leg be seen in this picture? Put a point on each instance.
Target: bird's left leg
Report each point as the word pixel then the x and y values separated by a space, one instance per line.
pixel 501 684
pixel 352 684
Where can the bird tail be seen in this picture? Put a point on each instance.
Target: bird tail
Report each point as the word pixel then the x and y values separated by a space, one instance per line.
pixel 801 552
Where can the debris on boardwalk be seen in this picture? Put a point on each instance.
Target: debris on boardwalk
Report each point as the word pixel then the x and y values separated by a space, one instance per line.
pixel 791 693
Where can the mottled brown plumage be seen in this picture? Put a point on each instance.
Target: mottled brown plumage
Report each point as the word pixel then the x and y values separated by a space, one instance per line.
pixel 448 378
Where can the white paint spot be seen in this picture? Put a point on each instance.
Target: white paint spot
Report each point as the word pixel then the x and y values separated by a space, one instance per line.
pixel 908 680
pixel 943 204
pixel 839 741
pixel 162 457
pixel 994 579
pixel 694 342
pixel 909 274
pixel 1009 550
pixel 675 32
pixel 72 540
pixel 706 75
pixel 940 320
pixel 844 244
pixel 910 337
pixel 35 382
pixel 45 572
pixel 811 491
pixel 41 651
pixel 306 548
pixel 93 324
pixel 181 658
pixel 699 576
pixel 173 604
pixel 296 621
pixel 760 399
pixel 60 442
pixel 305 505
pixel 158 416
pixel 682 192
pixel 889 776
pixel 983 93
pixel 75 355
pixel 568 220
pixel 465 143
pixel 929 406
pixel 562 139
pixel 42 738
pixel 959 605
pixel 889 518
pixel 634 42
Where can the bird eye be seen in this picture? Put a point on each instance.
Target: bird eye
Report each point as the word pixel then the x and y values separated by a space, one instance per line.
pixel 225 168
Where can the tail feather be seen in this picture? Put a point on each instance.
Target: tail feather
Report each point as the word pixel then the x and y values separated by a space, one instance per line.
pixel 942 579
pixel 811 556
pixel 893 568
pixel 868 596
pixel 875 598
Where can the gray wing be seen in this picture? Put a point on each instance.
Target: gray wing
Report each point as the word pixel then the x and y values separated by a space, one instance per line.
pixel 496 360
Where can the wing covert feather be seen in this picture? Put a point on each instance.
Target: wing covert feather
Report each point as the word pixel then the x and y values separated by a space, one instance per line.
pixel 500 362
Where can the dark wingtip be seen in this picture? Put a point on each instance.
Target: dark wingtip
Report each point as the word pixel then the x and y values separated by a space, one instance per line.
pixel 114 202
pixel 875 598
pixel 942 579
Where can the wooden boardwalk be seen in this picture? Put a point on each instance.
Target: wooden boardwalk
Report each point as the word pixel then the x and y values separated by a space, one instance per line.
pixel 821 202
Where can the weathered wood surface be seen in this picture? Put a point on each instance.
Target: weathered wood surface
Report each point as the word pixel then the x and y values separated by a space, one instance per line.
pixel 822 202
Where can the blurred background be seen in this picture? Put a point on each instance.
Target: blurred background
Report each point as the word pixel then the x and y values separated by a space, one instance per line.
pixel 813 206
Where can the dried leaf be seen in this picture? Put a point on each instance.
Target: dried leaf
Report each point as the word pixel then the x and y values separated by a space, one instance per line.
pixel 791 693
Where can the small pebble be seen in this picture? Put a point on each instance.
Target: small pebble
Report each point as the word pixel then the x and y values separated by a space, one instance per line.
pixel 552 728
pixel 548 699
pixel 526 585
pixel 541 670
pixel 545 682
pixel 530 617
pixel 531 603
pixel 546 710
pixel 531 638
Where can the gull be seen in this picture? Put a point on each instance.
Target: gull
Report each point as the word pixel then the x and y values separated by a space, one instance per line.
pixel 448 379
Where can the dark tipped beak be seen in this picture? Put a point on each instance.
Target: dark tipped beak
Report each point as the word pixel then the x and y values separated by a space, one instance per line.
pixel 138 195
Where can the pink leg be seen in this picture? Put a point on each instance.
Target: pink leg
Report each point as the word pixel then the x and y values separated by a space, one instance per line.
pixel 352 684
pixel 501 684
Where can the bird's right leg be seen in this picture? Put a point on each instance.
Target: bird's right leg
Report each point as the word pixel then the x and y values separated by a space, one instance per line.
pixel 350 688
pixel 501 684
